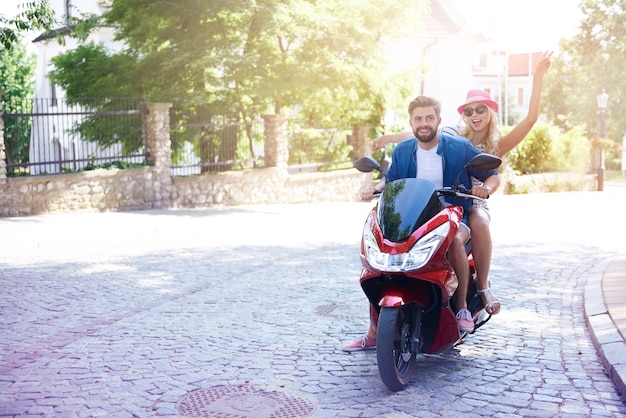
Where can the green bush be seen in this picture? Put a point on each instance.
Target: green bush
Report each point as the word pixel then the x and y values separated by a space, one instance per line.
pixel 572 151
pixel 534 153
pixel 110 166
pixel 614 164
pixel 545 149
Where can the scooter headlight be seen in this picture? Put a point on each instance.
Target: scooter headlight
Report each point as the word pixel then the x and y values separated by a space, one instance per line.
pixel 417 256
pixel 372 253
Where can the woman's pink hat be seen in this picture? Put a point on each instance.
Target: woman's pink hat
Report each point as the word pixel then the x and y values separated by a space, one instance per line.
pixel 475 96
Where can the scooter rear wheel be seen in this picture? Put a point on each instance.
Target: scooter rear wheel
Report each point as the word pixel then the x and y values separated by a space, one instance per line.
pixel 393 342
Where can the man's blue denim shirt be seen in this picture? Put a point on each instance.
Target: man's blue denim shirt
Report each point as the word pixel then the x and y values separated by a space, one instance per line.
pixel 455 152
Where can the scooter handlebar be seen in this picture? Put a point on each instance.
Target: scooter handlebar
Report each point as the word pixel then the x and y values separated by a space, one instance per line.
pixel 460 192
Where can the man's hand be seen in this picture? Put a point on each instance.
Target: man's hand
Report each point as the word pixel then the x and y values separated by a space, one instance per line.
pixel 368 194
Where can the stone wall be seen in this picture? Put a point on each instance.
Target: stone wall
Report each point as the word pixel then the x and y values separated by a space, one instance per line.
pixel 134 189
pixel 98 190
pixel 154 187
pixel 267 185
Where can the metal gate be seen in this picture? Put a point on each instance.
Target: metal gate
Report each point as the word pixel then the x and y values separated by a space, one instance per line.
pixel 46 136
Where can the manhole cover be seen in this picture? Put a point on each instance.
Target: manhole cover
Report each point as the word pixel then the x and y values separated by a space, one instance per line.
pixel 242 401
pixel 334 310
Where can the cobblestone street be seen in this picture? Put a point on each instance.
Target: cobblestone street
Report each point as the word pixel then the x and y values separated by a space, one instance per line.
pixel 163 313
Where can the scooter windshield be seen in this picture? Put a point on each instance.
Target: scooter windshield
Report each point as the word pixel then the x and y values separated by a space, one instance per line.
pixel 405 205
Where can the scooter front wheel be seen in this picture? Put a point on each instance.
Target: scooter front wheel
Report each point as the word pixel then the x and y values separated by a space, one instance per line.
pixel 393 346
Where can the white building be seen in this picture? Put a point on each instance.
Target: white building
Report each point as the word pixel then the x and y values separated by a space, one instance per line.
pixel 50 136
pixel 508 78
pixel 449 59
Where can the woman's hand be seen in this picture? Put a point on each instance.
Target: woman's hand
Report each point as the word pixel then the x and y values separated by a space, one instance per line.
pixel 481 191
pixel 379 142
pixel 385 139
pixel 544 63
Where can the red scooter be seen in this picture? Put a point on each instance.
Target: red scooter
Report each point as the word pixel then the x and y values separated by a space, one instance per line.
pixel 406 275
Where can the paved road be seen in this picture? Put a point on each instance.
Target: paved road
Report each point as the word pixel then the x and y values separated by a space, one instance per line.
pixel 243 311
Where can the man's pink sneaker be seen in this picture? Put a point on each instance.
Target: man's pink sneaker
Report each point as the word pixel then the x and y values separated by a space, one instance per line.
pixel 362 343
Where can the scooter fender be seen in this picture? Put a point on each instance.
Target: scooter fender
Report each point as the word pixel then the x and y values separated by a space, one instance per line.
pixel 394 296
pixel 390 301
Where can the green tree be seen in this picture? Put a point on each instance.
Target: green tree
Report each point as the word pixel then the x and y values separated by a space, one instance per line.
pixel 17 79
pixel 241 59
pixel 591 61
pixel 33 15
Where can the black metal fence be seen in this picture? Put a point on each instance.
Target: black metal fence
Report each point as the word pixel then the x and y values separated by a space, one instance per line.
pixel 45 136
pixel 205 143
pixel 315 147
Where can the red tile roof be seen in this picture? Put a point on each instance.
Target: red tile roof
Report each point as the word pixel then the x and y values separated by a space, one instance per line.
pixel 523 64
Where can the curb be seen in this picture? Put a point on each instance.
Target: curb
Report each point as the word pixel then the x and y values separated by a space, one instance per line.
pixel 605 307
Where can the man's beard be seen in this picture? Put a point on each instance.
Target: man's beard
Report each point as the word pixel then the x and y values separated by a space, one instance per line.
pixel 425 139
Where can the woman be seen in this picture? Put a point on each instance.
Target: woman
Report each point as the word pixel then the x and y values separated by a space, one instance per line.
pixel 480 126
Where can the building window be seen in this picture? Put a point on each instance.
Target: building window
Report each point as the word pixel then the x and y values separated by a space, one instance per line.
pixel 520 96
pixel 483 61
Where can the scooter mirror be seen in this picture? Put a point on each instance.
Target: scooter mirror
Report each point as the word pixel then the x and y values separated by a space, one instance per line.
pixel 367 165
pixel 484 162
pixel 481 162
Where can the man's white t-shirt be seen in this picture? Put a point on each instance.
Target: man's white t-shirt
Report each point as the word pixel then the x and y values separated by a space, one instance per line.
pixel 430 166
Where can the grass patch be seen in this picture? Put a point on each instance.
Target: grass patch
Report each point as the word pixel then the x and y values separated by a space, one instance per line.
pixel 615 176
pixel 549 182
pixel 557 182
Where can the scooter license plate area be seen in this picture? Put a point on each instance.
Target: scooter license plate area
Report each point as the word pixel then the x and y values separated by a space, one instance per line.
pixel 405 292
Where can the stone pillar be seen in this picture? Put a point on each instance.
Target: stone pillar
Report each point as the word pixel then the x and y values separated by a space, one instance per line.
pixel 360 141
pixel 156 131
pixel 276 141
pixel 3 164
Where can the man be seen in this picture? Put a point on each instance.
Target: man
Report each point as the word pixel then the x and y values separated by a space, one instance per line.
pixel 438 158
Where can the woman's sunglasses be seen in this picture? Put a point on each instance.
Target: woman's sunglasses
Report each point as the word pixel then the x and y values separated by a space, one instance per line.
pixel 480 109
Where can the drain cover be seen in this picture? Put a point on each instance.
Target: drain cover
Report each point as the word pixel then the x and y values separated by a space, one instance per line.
pixel 242 401
pixel 334 310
